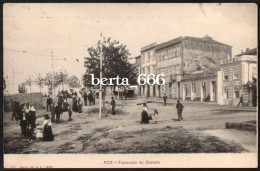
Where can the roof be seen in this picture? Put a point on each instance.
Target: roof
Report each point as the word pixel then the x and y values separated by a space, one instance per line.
pixel 249 52
pixel 206 39
pixel 138 56
pixel 150 46
pixel 169 43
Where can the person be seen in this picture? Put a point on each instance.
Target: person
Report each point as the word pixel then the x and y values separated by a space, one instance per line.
pixel 70 113
pixel 47 130
pixel 32 117
pixel 79 106
pixel 85 96
pixel 15 107
pixel 113 104
pixel 164 98
pixel 145 116
pixel 23 121
pixel 106 108
pixel 156 115
pixel 53 110
pixel 93 97
pixel 179 107
pixel 74 104
pixel 241 100
pixel 48 102
pixel 58 113
pixel 90 97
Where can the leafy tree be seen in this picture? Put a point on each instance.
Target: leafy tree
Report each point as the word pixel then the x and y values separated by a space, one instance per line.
pixel 115 63
pixel 40 81
pixel 22 87
pixel 74 82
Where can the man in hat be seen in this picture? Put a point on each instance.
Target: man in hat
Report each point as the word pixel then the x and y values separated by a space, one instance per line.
pixel 164 98
pixel 90 97
pixel 113 104
pixel 48 102
pixel 179 107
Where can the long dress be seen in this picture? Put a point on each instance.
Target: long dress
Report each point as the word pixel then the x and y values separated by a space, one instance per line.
pixel 47 130
pixel 145 116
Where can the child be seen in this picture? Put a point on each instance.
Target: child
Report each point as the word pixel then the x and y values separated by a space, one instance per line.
pixel 70 112
pixel 156 115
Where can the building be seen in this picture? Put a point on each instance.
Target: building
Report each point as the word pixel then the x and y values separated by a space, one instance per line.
pixel 190 58
pixel 138 64
pixel 148 66
pixel 237 76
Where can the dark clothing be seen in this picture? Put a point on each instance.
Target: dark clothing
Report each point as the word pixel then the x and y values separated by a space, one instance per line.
pixel 70 114
pixel 241 101
pixel 90 98
pixel 80 108
pixel 113 104
pixel 85 96
pixel 47 133
pixel 31 119
pixel 30 133
pixel 49 101
pixel 58 112
pixel 164 99
pixel 23 122
pixel 53 110
pixel 75 105
pixel 145 117
pixel 179 107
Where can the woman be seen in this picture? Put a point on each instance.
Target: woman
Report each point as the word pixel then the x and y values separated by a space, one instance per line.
pixel 79 106
pixel 47 131
pixel 145 116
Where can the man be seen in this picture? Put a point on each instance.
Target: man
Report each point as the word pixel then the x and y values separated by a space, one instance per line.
pixel 15 108
pixel 90 97
pixel 113 104
pixel 85 96
pixel 23 119
pixel 94 97
pixel 49 102
pixel 53 110
pixel 58 112
pixel 164 98
pixel 179 107
pixel 241 100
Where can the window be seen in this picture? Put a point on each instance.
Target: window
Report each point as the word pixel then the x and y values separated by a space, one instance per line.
pixel 152 56
pixel 178 69
pixel 162 56
pixel 147 56
pixel 166 54
pixel 236 94
pixel 174 52
pixel 143 71
pixel 225 75
pixel 225 91
pixel 173 70
pixel 178 51
pixel 193 87
pixel 235 73
pixel 158 56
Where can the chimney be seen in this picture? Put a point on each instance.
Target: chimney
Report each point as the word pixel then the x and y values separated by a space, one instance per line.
pixel 247 49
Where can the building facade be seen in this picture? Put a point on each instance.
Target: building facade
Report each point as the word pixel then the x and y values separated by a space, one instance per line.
pixel 148 66
pixel 235 78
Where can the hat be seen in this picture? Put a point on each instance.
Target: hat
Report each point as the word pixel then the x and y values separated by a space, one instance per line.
pixel 178 100
pixel 32 108
pixel 46 116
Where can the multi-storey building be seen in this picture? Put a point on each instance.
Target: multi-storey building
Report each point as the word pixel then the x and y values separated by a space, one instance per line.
pixel 186 63
pixel 148 66
pixel 236 77
pixel 138 64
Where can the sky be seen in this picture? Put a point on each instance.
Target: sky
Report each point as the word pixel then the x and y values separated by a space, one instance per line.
pixel 32 31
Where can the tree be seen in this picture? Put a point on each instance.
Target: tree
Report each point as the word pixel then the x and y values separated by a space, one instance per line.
pixel 40 81
pixel 115 63
pixel 74 82
pixel 22 87
pixel 48 82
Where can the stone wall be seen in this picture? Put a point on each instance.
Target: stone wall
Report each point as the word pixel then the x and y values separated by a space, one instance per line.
pixel 34 99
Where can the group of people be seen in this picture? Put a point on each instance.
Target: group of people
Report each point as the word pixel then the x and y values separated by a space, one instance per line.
pixel 26 114
pixel 89 97
pixel 145 117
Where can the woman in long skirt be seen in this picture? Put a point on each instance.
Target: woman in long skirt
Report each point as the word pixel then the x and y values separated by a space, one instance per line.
pixel 47 131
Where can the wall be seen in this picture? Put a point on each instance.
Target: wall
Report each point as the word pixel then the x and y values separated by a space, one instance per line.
pixel 203 53
pixel 34 99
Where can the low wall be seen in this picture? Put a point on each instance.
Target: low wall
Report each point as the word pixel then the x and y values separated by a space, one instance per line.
pixel 34 99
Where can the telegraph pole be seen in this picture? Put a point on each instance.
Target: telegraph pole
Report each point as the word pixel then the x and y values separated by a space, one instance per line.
pixel 100 85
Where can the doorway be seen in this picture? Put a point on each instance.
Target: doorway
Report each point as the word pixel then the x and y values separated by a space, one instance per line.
pixel 213 92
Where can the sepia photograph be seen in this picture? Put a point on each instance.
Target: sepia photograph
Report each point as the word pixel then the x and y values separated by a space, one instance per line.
pixel 116 85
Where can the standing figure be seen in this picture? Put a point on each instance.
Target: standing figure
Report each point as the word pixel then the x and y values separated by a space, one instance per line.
pixel 47 130
pixel 23 121
pixel 94 97
pixel 32 116
pixel 156 115
pixel 58 113
pixel 53 110
pixel 179 107
pixel 85 96
pixel 145 116
pixel 164 98
pixel 48 102
pixel 90 97
pixel 15 108
pixel 70 113
pixel 79 106
pixel 241 100
pixel 74 104
pixel 113 104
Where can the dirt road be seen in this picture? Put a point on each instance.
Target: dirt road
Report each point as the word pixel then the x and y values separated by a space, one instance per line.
pixel 202 131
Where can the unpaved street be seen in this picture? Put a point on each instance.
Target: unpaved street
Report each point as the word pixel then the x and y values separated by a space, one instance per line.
pixel 202 131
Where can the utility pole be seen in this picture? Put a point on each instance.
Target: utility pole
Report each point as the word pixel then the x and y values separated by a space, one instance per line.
pixel 100 85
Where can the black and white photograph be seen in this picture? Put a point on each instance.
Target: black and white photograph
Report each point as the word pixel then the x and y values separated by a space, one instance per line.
pixel 135 85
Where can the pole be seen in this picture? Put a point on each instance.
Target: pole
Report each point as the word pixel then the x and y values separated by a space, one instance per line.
pixel 100 85
pixel 52 80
